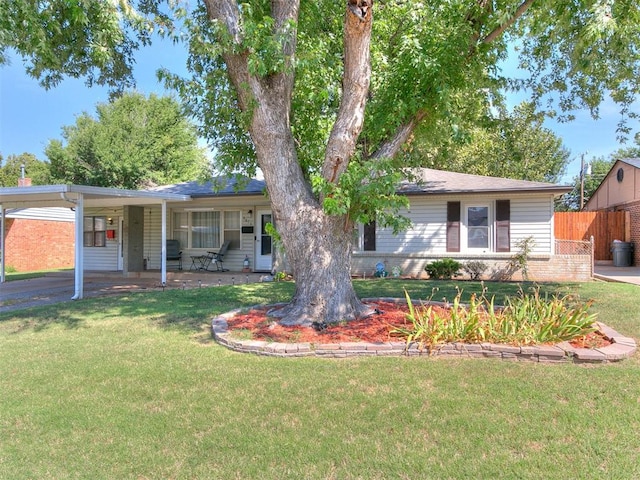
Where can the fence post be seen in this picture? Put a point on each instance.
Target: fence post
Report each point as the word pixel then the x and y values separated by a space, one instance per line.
pixel 593 248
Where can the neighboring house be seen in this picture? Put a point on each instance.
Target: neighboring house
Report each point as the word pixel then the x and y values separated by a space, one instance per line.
pixel 460 216
pixel 620 190
pixel 39 238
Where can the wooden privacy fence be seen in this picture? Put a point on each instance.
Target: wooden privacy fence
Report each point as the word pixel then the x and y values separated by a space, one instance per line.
pixel 605 227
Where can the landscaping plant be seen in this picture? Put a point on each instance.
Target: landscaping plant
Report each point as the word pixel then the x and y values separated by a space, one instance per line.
pixel 443 269
pixel 526 319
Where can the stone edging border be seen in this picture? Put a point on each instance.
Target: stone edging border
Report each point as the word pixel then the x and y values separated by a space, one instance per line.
pixel 621 347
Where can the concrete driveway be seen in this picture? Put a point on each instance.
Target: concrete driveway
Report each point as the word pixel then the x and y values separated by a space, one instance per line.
pixel 610 273
pixel 60 286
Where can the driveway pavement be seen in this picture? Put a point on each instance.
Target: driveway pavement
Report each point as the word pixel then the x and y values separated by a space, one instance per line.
pixel 610 273
pixel 60 286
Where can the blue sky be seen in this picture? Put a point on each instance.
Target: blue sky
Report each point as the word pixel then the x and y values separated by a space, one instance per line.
pixel 30 116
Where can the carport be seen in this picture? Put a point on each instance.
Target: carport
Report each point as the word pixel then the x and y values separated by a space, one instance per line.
pixel 77 197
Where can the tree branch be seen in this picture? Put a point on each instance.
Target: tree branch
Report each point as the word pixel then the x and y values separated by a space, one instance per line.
pixel 355 88
pixel 390 148
pixel 524 6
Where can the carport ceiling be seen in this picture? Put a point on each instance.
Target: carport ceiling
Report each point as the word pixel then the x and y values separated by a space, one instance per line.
pixel 67 196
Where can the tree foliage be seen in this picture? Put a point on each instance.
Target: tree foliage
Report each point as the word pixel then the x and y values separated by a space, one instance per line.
pixel 316 93
pixel 11 170
pixel 586 184
pixel 132 142
pixel 505 144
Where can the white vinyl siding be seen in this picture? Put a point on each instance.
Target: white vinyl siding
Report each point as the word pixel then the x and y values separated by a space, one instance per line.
pixel 531 215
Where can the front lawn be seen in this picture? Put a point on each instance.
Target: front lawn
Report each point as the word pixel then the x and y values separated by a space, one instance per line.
pixel 133 387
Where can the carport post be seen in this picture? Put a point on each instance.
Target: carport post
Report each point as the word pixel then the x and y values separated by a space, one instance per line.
pixel 163 247
pixel 79 248
pixel 2 218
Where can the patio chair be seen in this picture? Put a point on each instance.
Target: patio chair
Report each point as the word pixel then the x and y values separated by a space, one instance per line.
pixel 174 253
pixel 218 257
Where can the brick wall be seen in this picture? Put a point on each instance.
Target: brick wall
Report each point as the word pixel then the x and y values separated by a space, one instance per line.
pixel 542 268
pixel 634 229
pixel 33 245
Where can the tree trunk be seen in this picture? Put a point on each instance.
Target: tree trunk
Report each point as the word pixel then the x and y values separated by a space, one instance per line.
pixel 318 246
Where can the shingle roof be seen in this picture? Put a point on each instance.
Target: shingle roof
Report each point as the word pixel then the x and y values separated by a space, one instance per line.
pixel 432 181
pixel 429 181
pixel 218 187
pixel 634 162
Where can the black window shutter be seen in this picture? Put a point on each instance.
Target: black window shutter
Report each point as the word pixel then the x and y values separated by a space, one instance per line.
pixel 503 225
pixel 370 237
pixel 453 226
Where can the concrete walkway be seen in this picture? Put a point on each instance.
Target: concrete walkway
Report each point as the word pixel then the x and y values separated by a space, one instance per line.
pixel 610 273
pixel 60 286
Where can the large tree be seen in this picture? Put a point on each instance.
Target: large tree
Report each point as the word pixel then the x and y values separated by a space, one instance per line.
pixel 283 85
pixel 133 142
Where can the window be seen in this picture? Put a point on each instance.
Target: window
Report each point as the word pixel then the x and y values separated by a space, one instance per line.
pixel 478 227
pixel 232 229
pixel 207 229
pixel 95 231
pixel 479 230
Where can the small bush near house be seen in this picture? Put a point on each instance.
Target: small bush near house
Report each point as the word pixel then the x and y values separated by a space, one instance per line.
pixel 443 269
pixel 475 269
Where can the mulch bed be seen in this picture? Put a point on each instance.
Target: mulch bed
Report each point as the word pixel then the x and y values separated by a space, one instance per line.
pixel 375 329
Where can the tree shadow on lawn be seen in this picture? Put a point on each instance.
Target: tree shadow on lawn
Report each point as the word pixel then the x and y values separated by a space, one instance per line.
pixel 191 310
pixel 185 310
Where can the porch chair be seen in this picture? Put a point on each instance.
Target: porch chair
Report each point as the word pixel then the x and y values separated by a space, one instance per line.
pixel 174 253
pixel 219 256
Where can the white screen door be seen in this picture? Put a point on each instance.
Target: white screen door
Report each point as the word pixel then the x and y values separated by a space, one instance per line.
pixel 264 242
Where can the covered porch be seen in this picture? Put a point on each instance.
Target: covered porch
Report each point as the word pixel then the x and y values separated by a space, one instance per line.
pixel 78 198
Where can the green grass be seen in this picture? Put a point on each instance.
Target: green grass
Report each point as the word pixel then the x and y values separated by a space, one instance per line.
pixel 12 276
pixel 133 387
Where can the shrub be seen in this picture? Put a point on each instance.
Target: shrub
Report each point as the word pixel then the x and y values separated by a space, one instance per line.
pixel 443 269
pixel 520 260
pixel 475 269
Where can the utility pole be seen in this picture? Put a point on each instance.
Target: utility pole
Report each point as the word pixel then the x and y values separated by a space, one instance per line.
pixel 582 175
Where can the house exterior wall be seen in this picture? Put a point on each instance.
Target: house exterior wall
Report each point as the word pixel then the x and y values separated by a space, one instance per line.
pixel 542 268
pixel 33 245
pixel 425 240
pixel 530 216
pixel 613 192
pixel 634 229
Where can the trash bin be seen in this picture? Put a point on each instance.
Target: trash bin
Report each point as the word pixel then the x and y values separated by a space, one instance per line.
pixel 622 254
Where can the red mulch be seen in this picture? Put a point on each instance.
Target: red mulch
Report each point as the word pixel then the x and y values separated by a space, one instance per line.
pixel 374 329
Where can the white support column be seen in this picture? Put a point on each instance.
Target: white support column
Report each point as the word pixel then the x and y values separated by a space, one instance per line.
pixel 163 247
pixel 2 252
pixel 79 249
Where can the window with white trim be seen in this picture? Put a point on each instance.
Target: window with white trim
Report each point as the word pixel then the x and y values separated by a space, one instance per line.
pixel 477 227
pixel 95 231
pixel 207 229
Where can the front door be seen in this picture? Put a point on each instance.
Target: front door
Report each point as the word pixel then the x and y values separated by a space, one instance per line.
pixel 264 242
